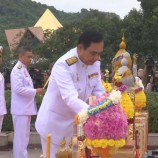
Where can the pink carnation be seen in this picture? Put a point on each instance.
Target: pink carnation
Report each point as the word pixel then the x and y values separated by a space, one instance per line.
pixel 100 99
pixel 108 124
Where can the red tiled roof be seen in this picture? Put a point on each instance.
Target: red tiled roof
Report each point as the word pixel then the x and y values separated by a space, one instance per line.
pixel 37 32
pixel 14 36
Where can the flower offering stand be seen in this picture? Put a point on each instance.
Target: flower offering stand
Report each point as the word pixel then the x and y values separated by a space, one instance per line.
pixel 141 128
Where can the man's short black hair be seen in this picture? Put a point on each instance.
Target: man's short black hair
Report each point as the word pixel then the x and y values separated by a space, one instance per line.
pixel 23 50
pixel 88 37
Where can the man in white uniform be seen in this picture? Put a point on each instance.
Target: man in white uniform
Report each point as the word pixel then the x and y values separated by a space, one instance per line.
pixel 22 102
pixel 3 110
pixel 74 77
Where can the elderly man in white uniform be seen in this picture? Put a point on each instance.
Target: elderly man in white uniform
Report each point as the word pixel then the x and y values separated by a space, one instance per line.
pixel 74 77
pixel 3 110
pixel 23 104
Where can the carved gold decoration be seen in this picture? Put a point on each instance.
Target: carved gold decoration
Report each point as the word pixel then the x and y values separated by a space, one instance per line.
pixel 69 149
pixel 141 125
pixel 62 152
pixel 130 133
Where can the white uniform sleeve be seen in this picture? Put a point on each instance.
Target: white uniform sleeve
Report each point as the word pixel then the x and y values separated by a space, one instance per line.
pixel 18 85
pixel 67 89
pixel 134 69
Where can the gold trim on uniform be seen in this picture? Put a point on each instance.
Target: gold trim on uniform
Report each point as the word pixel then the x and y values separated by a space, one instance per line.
pixel 71 60
pixel 19 66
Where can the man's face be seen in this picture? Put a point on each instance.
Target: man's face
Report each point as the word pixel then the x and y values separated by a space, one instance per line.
pixel 140 72
pixel 91 54
pixel 156 74
pixel 26 58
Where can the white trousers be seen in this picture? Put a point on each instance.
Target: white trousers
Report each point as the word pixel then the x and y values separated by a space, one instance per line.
pixel 53 148
pixel 21 135
pixel 1 122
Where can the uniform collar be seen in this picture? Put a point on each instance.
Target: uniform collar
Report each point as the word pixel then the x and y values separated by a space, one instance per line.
pixel 80 62
pixel 23 65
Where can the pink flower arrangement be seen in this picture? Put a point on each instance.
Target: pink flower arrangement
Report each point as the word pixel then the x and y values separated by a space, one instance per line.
pixel 108 124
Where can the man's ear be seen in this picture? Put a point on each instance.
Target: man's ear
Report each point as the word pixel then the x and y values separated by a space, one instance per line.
pixel 79 46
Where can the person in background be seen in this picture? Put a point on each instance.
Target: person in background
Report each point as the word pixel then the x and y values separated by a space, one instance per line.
pixel 74 78
pixel 149 69
pixel 140 73
pixel 23 104
pixel 152 86
pixel 136 74
pixel 135 71
pixel 3 109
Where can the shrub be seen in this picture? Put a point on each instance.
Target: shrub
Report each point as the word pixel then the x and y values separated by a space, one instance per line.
pixel 152 107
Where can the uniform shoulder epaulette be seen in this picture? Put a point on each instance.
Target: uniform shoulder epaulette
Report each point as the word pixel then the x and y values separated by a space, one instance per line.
pixel 71 60
pixel 19 66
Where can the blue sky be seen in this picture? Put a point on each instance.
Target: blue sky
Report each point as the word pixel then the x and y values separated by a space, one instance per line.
pixel 120 7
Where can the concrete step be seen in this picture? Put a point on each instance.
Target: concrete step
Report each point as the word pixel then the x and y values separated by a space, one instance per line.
pixel 6 138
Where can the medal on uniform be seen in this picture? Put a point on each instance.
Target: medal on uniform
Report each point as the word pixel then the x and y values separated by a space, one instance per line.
pixel 94 75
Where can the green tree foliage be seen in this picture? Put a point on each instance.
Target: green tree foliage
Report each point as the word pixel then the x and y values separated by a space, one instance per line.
pixel 62 40
pixel 25 13
pixel 150 30
pixel 133 29
pixel 148 7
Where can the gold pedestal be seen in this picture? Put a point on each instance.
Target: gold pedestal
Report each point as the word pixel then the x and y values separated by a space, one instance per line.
pixel 141 127
pixel 128 151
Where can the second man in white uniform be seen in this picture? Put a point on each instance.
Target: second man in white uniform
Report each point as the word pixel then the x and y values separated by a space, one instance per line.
pixel 3 110
pixel 23 104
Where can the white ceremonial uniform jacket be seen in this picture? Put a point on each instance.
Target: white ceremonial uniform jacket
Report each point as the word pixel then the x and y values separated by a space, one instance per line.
pixel 2 96
pixel 22 91
pixel 68 90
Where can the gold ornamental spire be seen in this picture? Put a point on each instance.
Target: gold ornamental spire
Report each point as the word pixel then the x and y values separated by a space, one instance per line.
pixel 116 62
pixel 123 44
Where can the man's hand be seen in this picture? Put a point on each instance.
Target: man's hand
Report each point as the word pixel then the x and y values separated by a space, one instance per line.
pixel 40 91
pixel 135 58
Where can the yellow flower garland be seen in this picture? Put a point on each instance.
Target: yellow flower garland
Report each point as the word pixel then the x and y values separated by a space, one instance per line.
pixel 127 105
pixel 107 86
pixel 103 143
pixel 140 100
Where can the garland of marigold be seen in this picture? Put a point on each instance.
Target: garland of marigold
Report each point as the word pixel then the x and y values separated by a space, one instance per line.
pixel 103 143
